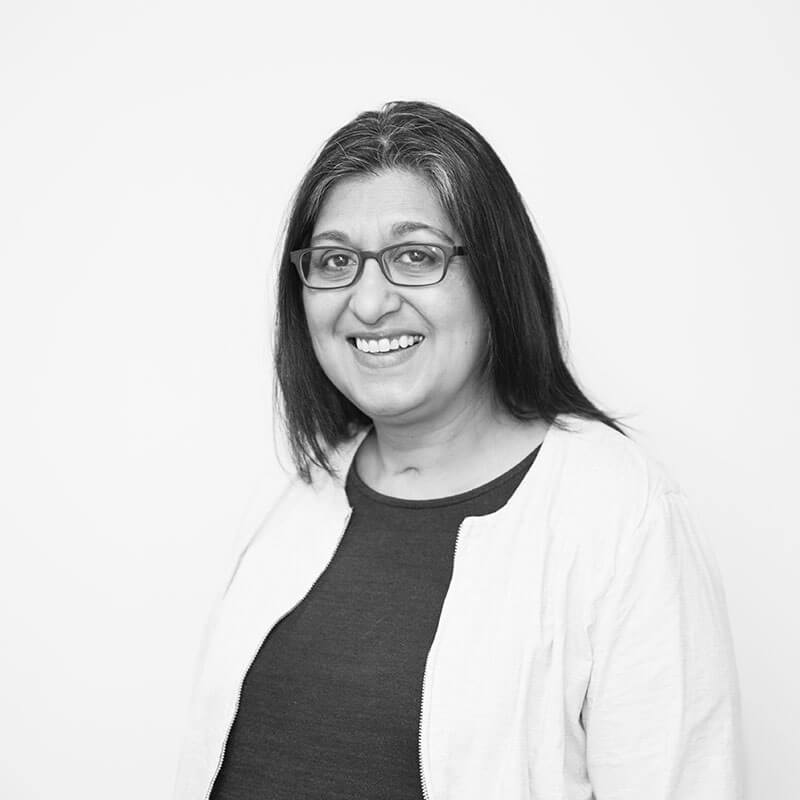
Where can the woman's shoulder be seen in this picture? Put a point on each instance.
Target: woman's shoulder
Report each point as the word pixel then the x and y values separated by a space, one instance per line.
pixel 283 501
pixel 599 469
pixel 597 447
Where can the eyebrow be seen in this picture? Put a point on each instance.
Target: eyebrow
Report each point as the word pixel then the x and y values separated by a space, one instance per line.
pixel 398 229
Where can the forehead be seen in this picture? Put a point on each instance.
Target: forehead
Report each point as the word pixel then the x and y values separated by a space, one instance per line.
pixel 364 205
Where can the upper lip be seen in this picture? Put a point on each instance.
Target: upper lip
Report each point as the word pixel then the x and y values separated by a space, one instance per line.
pixel 386 334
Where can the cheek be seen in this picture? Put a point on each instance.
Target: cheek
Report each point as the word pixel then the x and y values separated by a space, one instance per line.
pixel 321 316
pixel 467 315
pixel 318 316
pixel 472 324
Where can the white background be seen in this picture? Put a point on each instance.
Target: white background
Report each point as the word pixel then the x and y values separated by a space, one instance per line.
pixel 148 152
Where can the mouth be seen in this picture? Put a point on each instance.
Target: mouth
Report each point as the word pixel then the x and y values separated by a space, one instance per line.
pixel 385 345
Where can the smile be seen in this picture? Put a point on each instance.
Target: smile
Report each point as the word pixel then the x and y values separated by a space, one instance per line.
pixel 385 345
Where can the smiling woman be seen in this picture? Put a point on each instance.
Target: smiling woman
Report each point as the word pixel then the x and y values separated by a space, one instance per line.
pixel 476 586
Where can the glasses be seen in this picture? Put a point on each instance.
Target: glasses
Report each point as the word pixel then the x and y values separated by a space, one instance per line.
pixel 407 264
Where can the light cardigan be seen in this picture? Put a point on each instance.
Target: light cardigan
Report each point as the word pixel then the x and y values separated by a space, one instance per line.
pixel 583 650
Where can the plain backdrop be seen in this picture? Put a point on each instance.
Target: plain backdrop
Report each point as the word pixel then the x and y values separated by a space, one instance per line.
pixel 148 152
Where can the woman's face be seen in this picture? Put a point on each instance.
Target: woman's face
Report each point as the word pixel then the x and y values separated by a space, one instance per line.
pixel 440 375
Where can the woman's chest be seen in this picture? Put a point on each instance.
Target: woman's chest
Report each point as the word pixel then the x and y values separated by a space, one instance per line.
pixel 500 656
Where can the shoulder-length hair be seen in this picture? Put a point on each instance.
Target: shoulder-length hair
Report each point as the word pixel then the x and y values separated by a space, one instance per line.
pixel 524 361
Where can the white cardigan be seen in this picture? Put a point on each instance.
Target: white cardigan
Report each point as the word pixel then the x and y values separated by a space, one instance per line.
pixel 583 650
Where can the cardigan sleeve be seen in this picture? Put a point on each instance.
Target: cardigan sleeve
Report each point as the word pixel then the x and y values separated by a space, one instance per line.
pixel 662 708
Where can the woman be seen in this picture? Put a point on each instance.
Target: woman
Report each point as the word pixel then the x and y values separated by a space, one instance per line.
pixel 476 586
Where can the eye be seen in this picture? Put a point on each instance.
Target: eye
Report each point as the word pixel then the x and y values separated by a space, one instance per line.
pixel 415 256
pixel 419 256
pixel 336 260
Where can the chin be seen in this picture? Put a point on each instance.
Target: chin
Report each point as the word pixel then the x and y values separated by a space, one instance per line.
pixel 393 413
pixel 389 409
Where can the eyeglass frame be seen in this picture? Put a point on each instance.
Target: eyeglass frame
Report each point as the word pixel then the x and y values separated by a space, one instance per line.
pixel 450 252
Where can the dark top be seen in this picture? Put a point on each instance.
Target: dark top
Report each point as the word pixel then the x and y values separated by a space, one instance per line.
pixel 330 705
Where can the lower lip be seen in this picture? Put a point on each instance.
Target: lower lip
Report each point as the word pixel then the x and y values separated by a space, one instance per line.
pixel 390 358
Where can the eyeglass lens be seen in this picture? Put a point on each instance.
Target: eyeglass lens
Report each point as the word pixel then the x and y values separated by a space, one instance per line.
pixel 412 264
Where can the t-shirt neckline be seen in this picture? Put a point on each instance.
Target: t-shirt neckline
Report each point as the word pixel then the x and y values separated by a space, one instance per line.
pixel 354 481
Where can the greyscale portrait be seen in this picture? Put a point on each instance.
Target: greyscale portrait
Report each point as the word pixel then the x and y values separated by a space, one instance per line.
pixel 476 584
pixel 399 401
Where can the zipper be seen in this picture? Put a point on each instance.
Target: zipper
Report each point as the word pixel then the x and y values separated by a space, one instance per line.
pixel 255 653
pixel 423 782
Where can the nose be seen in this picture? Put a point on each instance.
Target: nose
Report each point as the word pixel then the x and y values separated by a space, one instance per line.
pixel 373 297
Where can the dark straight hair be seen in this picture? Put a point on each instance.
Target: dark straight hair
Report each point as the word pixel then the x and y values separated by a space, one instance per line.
pixel 524 362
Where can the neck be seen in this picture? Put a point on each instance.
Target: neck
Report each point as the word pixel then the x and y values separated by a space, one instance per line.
pixel 453 453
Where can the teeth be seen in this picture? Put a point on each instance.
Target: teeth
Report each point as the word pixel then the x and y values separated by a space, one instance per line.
pixel 385 345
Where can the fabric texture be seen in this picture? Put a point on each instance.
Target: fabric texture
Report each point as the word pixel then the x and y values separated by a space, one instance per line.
pixel 330 705
pixel 583 650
